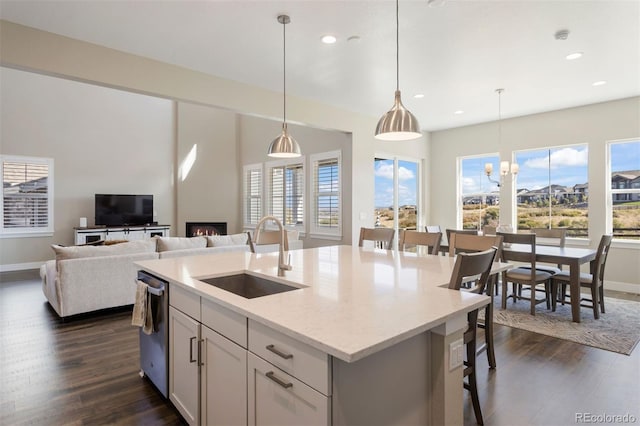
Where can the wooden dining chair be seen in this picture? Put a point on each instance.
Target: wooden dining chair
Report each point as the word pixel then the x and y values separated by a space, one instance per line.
pixel 471 264
pixel 382 237
pixel 410 239
pixel 594 280
pixel 550 237
pixel 529 276
pixel 467 243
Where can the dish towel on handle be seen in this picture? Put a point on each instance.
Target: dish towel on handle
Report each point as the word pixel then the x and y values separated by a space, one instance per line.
pixel 139 315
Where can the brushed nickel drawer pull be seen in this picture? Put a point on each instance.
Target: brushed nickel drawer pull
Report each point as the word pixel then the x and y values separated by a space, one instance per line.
pixel 278 381
pixel 191 339
pixel 273 349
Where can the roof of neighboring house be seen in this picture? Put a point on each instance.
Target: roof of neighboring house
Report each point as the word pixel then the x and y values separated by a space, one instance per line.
pixel 626 174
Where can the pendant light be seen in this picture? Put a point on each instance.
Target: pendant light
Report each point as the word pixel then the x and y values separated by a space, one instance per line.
pixel 284 146
pixel 398 124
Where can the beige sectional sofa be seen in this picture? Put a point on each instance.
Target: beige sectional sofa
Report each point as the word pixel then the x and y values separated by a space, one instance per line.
pixel 89 278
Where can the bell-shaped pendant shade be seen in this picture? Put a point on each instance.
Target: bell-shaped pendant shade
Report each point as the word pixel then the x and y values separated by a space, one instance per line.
pixel 284 146
pixel 398 124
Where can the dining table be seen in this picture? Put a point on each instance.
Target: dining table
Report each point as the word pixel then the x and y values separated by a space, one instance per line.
pixel 572 256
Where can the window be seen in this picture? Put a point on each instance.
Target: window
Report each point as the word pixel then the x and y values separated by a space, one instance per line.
pixel 326 215
pixel 553 189
pixel 396 180
pixel 252 194
pixel 479 199
pixel 286 192
pixel 624 166
pixel 27 196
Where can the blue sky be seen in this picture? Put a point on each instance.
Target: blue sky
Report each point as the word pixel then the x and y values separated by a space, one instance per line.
pixel 407 183
pixel 625 156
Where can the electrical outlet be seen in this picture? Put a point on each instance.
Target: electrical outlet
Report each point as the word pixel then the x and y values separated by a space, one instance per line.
pixel 456 354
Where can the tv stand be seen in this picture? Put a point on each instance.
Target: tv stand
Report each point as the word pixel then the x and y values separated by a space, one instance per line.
pixel 130 233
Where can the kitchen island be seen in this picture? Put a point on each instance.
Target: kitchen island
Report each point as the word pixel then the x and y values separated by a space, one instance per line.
pixel 364 338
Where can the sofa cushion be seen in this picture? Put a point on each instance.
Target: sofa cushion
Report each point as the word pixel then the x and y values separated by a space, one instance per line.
pixel 180 243
pixel 76 252
pixel 227 240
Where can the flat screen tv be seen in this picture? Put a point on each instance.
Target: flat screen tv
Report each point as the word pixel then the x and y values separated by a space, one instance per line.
pixel 121 210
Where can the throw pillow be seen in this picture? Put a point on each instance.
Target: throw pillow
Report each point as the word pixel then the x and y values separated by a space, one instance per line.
pixel 227 240
pixel 180 243
pixel 77 252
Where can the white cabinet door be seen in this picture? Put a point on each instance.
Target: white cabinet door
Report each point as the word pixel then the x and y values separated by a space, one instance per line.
pixel 223 378
pixel 116 235
pixel 276 398
pixel 184 335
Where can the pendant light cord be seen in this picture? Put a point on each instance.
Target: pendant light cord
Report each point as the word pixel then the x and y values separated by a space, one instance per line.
pixel 284 73
pixel 397 46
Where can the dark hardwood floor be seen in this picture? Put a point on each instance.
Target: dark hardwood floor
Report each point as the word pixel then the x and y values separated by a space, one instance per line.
pixel 85 372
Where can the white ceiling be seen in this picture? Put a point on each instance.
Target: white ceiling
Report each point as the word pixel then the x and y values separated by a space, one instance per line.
pixel 456 54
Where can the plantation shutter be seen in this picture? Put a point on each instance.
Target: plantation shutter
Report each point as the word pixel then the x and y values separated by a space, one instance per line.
pixel 287 194
pixel 253 195
pixel 26 197
pixel 326 189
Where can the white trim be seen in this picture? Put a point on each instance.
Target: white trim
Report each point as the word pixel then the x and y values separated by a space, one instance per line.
pixel 23 234
pixel 325 237
pixel 621 243
pixel 620 286
pixel 21 266
pixel 583 242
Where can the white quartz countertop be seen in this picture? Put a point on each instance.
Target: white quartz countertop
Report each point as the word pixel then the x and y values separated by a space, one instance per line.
pixel 352 302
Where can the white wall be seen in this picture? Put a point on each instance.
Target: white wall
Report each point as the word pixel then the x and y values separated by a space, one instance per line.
pixel 593 125
pixel 101 141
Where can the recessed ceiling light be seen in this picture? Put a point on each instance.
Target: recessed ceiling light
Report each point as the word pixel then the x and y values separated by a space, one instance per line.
pixel 329 39
pixel 418 96
pixel 599 83
pixel 575 55
pixel 458 112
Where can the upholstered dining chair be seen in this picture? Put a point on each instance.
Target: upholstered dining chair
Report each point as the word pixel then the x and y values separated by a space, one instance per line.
pixel 382 237
pixel 466 243
pixel 471 264
pixel 430 240
pixel 594 280
pixel 530 275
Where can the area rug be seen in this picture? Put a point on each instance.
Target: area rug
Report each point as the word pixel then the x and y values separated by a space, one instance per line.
pixel 618 330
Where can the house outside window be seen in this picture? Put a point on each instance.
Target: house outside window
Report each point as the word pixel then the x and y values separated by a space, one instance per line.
pixel 479 200
pixel 624 206
pixel 285 190
pixel 252 194
pixel 27 196
pixel 326 198
pixel 553 190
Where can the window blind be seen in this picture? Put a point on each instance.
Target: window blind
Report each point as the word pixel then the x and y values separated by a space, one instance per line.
pixel 327 196
pixel 25 195
pixel 287 194
pixel 253 196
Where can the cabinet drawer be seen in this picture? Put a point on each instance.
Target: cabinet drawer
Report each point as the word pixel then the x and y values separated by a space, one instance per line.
pixel 184 300
pixel 231 325
pixel 276 398
pixel 305 363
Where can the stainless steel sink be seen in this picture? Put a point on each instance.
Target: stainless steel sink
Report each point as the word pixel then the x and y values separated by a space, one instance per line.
pixel 248 286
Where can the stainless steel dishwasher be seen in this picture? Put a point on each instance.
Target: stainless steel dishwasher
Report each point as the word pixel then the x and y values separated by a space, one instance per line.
pixel 154 347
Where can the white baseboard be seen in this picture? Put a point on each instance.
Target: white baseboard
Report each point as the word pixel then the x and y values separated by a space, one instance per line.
pixel 21 266
pixel 620 286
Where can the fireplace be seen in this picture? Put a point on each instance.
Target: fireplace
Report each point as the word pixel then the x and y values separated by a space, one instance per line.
pixel 194 229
